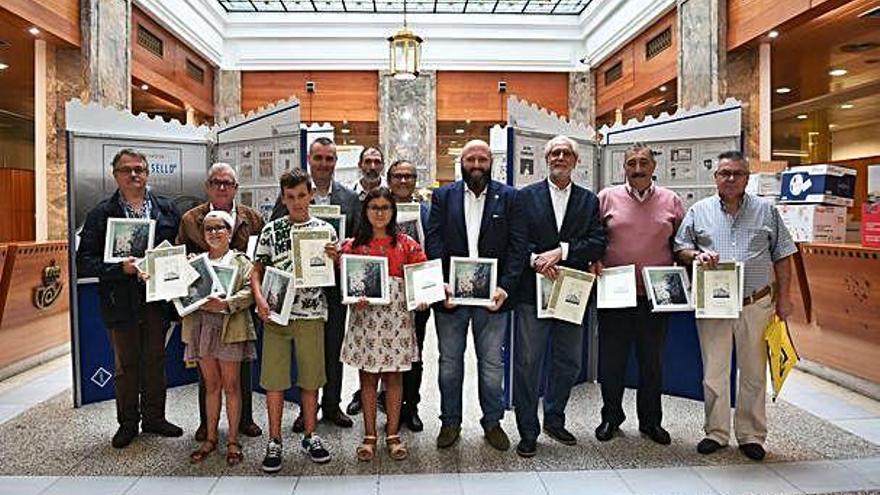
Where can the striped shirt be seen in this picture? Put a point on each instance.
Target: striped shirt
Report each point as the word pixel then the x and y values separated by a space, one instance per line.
pixel 755 236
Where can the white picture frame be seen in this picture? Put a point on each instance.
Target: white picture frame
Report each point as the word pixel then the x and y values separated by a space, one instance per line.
pixel 543 288
pixel 207 285
pixel 616 287
pixel 336 220
pixel 424 283
pixel 166 267
pixel 409 221
pixel 718 292
pixel 228 276
pixel 311 265
pixel 473 280
pixel 127 237
pixel 668 288
pixel 364 277
pixel 278 289
pixel 571 295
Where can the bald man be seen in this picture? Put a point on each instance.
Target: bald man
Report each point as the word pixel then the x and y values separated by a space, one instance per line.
pixel 475 217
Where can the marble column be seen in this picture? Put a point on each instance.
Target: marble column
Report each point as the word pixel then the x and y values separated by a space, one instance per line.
pixel 582 97
pixel 227 94
pixel 743 84
pixel 106 51
pixel 63 83
pixel 702 52
pixel 408 122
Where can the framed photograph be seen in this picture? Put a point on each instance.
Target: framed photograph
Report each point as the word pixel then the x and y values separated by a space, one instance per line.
pixel 718 292
pixel 570 295
pixel 337 221
pixel 424 283
pixel 409 221
pixel 167 268
pixel 364 276
pixel 668 288
pixel 616 287
pixel 681 154
pixel 322 210
pixel 473 280
pixel 311 265
pixel 201 289
pixel 128 237
pixel 228 277
pixel 252 247
pixel 543 287
pixel 278 289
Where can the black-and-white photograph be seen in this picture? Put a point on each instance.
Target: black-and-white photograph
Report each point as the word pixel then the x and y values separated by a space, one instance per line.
pixel 543 289
pixel 278 291
pixel 198 292
pixel 227 275
pixel 681 154
pixel 364 277
pixel 412 228
pixel 473 280
pixel 668 288
pixel 128 237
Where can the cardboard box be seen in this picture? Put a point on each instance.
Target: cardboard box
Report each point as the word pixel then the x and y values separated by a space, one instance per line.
pixel 764 184
pixel 871 225
pixel 814 223
pixel 826 184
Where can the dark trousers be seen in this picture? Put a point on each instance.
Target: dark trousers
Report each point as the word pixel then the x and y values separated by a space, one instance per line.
pixel 617 329
pixel 412 379
pixel 140 368
pixel 334 331
pixel 247 410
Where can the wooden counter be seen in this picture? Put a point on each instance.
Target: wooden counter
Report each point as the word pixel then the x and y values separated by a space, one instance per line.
pixel 844 286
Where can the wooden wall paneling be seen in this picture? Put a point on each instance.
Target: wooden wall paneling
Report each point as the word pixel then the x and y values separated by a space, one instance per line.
pixel 748 19
pixel 7 257
pixel 860 165
pixel 168 74
pixel 58 18
pixel 339 95
pixel 463 95
pixel 17 205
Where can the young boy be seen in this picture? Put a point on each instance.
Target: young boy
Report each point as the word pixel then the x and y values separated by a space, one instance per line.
pixel 305 328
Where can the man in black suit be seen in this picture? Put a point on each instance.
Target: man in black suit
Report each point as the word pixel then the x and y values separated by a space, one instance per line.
pixel 475 217
pixel 564 229
pixel 322 165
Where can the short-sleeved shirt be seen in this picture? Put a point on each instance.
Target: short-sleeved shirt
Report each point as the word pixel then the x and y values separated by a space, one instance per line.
pixel 755 236
pixel 407 251
pixel 273 249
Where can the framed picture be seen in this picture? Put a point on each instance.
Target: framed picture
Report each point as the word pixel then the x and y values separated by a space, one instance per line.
pixel 570 295
pixel 409 221
pixel 364 276
pixel 616 287
pixel 278 289
pixel 128 237
pixel 718 291
pixel 543 287
pixel 424 283
pixel 473 280
pixel 681 154
pixel 228 276
pixel 252 247
pixel 668 288
pixel 167 267
pixel 311 265
pixel 198 292
pixel 322 210
pixel 336 220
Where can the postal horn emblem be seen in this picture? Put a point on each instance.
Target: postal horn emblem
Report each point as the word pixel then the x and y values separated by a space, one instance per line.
pixel 47 294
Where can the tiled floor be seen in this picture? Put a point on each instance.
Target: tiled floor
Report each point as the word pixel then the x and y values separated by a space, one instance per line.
pixel 843 408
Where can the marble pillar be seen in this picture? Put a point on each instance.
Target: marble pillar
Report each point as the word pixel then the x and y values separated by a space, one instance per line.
pixel 408 122
pixel 227 94
pixel 63 83
pixel 582 97
pixel 106 51
pixel 702 52
pixel 743 84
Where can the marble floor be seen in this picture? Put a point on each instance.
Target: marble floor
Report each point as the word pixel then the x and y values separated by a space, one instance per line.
pixel 823 439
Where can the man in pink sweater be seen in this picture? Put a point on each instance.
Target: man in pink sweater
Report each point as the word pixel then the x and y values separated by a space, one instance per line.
pixel 640 220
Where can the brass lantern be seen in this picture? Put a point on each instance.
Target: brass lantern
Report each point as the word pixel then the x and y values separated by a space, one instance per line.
pixel 405 51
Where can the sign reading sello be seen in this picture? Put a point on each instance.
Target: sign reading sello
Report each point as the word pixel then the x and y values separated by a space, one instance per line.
pixel 165 167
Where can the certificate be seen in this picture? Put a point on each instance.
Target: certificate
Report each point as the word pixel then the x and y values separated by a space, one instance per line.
pixel 616 287
pixel 169 273
pixel 717 292
pixel 424 283
pixel 311 265
pixel 570 295
pixel 543 288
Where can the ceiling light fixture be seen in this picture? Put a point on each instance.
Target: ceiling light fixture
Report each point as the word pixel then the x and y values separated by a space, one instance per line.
pixel 773 34
pixel 802 116
pixel 663 88
pixel 34 30
pixel 837 72
pixel 3 66
pixel 783 90
pixel 345 130
pixel 405 52
pixel 459 131
pixel 847 106
pixel 145 87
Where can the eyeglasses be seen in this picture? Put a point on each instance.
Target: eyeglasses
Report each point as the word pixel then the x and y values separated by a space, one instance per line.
pixel 403 177
pixel 216 229
pixel 731 174
pixel 222 184
pixel 380 209
pixel 131 170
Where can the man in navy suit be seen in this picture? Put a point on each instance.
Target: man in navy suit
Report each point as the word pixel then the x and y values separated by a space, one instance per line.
pixel 564 229
pixel 475 217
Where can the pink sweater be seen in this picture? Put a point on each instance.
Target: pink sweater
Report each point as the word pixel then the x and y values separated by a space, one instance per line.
pixel 639 233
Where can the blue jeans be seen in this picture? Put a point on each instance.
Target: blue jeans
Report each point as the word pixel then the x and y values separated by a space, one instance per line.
pixel 530 346
pixel 489 330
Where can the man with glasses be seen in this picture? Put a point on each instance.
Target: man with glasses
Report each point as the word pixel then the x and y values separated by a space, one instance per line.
pixel 737 226
pixel 221 187
pixel 137 329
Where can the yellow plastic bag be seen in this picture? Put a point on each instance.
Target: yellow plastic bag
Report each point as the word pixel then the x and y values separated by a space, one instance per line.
pixel 781 354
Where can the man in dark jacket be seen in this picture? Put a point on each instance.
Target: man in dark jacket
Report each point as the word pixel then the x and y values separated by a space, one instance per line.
pixel 137 329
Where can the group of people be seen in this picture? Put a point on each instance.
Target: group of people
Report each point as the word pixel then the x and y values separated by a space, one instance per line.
pixel 537 229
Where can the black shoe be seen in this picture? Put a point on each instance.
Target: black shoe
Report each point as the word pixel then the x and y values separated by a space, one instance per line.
pixel 560 434
pixel 201 433
pixel 124 435
pixel 753 451
pixel 355 406
pixel 337 417
pixel 497 438
pixel 274 456
pixel 414 422
pixel 299 425
pixel 605 431
pixel 314 449
pixel 526 448
pixel 380 402
pixel 250 430
pixel 448 436
pixel 657 434
pixel 162 428
pixel 708 446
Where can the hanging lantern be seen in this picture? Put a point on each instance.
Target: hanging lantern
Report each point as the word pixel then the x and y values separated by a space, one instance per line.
pixel 405 50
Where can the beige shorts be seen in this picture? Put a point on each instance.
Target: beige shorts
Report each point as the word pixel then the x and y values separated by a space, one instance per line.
pixel 307 337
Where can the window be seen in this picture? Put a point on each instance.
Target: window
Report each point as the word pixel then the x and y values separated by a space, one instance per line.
pixel 614 73
pixel 195 71
pixel 150 41
pixel 658 43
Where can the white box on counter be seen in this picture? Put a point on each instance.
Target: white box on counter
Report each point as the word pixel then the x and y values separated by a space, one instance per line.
pixel 814 223
pixel 764 184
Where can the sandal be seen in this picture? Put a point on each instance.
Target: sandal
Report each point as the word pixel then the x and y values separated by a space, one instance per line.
pixel 233 457
pixel 366 451
pixel 203 451
pixel 396 447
